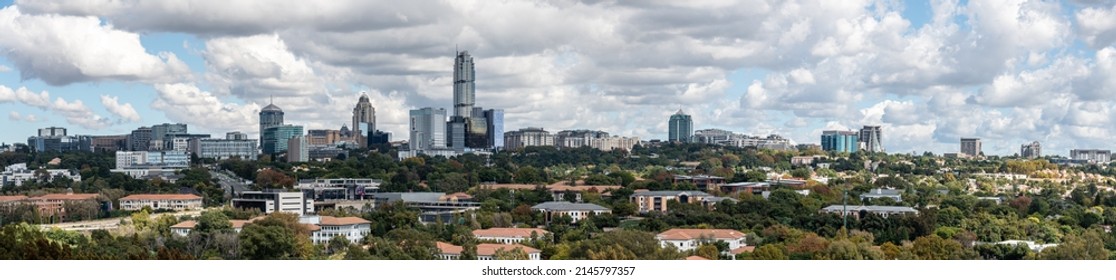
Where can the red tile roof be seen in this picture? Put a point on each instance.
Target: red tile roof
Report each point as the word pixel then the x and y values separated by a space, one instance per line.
pixel 449 249
pixel 487 249
pixel 8 198
pixel 509 232
pixel 239 223
pixel 185 224
pixel 161 197
pixel 688 234
pixel 696 258
pixel 342 221
pixel 743 249
pixel 67 196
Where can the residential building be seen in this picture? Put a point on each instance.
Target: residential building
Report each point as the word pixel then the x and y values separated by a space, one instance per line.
pixel 876 193
pixel 855 210
pixel 16 174
pixel 614 143
pixel 971 147
pixel 691 239
pixel 1033 150
pixel 485 251
pixel 576 211
pixel 270 116
pixel 428 129
pixel 275 201
pixel 509 235
pixel 297 150
pixel 176 202
pixel 495 129
pixel 364 120
pixel 681 127
pixel 1091 156
pixel 230 147
pixel 139 139
pixel 531 136
pixel 839 141
pixel 109 143
pixel 275 138
pixel 870 139
pixel 185 227
pixel 647 201
pixel 577 138
pixel 352 228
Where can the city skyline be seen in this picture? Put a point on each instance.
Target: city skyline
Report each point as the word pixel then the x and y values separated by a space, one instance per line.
pixel 1009 73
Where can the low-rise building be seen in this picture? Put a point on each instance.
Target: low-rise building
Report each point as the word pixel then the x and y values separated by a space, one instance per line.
pixel 749 187
pixel 51 205
pixel 691 239
pixel 176 202
pixel 274 201
pixel 877 193
pixel 703 182
pixel 647 201
pixel 18 173
pixel 185 227
pixel 855 210
pixel 576 211
pixel 352 228
pixel 509 235
pixel 557 190
pixel 485 251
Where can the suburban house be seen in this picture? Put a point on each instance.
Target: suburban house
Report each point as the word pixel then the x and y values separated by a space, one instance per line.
pixel 647 201
pixel 176 202
pixel 185 227
pixel 485 251
pixel 855 210
pixel 576 211
pixel 691 239
pixel 703 182
pixel 509 235
pixel 876 193
pixel 324 228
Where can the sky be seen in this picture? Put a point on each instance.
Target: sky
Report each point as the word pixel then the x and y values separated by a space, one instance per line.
pixel 929 72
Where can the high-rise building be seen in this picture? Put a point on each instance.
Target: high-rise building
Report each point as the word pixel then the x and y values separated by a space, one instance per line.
pixel 428 129
pixel 275 138
pixel 839 141
pixel 163 131
pixel 52 132
pixel 270 116
pixel 1093 156
pixel 971 147
pixel 230 147
pixel 139 139
pixel 681 127
pixel 364 121
pixel 1033 150
pixel 55 139
pixel 531 136
pixel 871 139
pixel 464 87
pixel 577 138
pixel 495 118
pixel 297 150
pixel 110 143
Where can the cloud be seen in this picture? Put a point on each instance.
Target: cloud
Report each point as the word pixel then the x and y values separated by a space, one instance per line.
pixel 4 69
pixel 75 112
pixel 1097 25
pixel 62 50
pixel 123 111
pixel 17 117
pixel 186 103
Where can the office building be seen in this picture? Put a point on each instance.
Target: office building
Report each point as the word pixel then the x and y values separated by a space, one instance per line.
pixel 1033 150
pixel 275 201
pixel 52 132
pixel 464 87
pixel 614 143
pixel 164 131
pixel 495 123
pixel 577 138
pixel 297 150
pixel 233 146
pixel 109 143
pixel 322 137
pixel 275 138
pixel 531 136
pixel 971 147
pixel 364 121
pixel 1091 156
pixel 270 116
pixel 236 135
pixel 139 139
pixel 175 142
pixel 152 160
pixel 576 211
pixel 428 129
pixel 681 127
pixel 174 202
pixel 55 139
pixel 839 141
pixel 729 138
pixel 870 139
pixel 340 188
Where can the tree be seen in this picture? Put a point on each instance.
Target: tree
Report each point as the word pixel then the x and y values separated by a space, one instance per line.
pixel 269 178
pixel 770 252
pixel 513 254
pixel 1086 246
pixel 708 251
pixel 213 222
pixel 278 236
pixel 933 247
pixel 141 220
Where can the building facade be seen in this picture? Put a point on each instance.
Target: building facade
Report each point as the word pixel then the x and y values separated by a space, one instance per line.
pixel 1033 150
pixel 871 139
pixel 274 201
pixel 681 127
pixel 55 139
pixel 17 174
pixel 221 149
pixel 428 129
pixel 110 143
pixel 139 139
pixel 270 116
pixel 495 119
pixel 297 150
pixel 351 228
pixel 485 251
pixel 577 138
pixel 971 147
pixel 175 202
pixel 839 141
pixel 509 235
pixel 691 239
pixel 464 86
pixel 275 138
pixel 648 201
pixel 531 136
pixel 1092 156
pixel 576 211
pixel 614 143
pixel 364 120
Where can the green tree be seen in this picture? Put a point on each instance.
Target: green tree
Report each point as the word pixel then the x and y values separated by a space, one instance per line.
pixel 213 222
pixel 1086 246
pixel 513 254
pixel 708 251
pixel 278 236
pixel 770 252
pixel 933 247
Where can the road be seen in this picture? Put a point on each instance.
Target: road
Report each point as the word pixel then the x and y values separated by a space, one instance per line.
pixel 111 223
pixel 232 184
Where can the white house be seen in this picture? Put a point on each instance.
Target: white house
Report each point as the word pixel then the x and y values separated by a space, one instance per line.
pixel 352 228
pixel 485 251
pixel 509 235
pixel 690 239
pixel 176 202
pixel 576 211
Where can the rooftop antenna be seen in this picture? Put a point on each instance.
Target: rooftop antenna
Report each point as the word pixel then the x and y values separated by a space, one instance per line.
pixel 272 99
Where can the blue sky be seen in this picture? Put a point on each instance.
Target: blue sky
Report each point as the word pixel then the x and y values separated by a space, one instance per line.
pixel 1009 72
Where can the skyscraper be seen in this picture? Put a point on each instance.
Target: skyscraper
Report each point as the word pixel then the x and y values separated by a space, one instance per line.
pixel 162 131
pixel 495 118
pixel 139 139
pixel 971 146
pixel 364 121
pixel 681 127
pixel 428 129
pixel 1033 150
pixel 270 116
pixel 464 88
pixel 870 137
pixel 275 138
pixel 839 141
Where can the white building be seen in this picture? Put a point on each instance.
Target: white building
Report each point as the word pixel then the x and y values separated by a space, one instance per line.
pixel 854 210
pixel 615 142
pixel 576 211
pixel 352 228
pixel 225 148
pixel 268 202
pixel 129 161
pixel 531 136
pixel 176 202
pixel 18 173
pixel 509 235
pixel 185 227
pixel 485 251
pixel 691 239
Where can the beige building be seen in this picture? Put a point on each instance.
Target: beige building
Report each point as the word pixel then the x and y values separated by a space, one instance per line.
pixel 615 142
pixel 176 202
pixel 485 251
pixel 647 201
pixel 691 239
pixel 509 235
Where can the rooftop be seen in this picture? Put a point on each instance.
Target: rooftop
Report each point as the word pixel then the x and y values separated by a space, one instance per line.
pixel 342 221
pixel 870 208
pixel 669 193
pixel 694 233
pixel 9 198
pixel 568 206
pixel 67 196
pixel 161 197
pixel 509 232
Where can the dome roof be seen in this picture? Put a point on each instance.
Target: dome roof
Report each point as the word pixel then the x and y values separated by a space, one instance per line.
pixel 271 108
